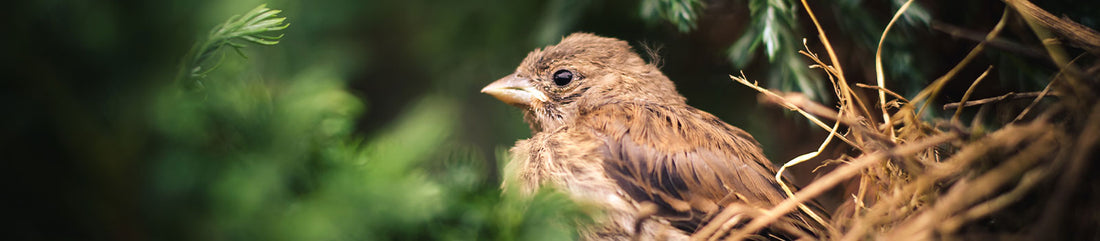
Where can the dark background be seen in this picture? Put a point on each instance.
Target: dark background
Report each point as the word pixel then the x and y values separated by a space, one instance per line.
pixel 365 122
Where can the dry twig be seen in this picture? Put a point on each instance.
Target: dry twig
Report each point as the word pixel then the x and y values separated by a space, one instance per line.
pixel 1009 96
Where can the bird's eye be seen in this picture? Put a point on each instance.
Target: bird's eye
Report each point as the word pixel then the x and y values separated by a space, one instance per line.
pixel 563 77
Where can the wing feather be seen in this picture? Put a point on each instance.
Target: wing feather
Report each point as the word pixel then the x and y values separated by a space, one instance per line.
pixel 686 161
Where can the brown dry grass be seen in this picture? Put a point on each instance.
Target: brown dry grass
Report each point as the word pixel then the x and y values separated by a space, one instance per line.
pixel 946 180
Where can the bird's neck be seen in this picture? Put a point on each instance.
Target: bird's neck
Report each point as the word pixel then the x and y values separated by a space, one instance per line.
pixel 549 117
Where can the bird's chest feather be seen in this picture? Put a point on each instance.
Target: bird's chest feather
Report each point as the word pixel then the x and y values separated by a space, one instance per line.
pixel 572 161
pixel 567 159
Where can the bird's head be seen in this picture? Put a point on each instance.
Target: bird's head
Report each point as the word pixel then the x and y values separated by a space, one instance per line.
pixel 554 84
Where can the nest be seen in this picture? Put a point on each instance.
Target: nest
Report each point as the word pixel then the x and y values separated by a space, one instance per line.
pixel 916 179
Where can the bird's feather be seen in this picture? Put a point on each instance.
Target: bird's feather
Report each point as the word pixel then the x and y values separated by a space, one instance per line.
pixel 685 160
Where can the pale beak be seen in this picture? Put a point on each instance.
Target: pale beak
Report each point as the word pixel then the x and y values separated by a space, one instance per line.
pixel 515 90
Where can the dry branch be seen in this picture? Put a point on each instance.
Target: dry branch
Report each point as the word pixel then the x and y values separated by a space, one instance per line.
pixel 1001 43
pixel 837 176
pixel 938 181
pixel 1010 95
pixel 1077 35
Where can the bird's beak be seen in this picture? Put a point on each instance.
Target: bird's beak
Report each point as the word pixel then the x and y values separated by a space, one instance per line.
pixel 515 90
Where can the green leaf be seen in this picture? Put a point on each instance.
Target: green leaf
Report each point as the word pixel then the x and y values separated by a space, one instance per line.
pixel 256 26
pixel 682 13
pixel 259 40
pixel 742 52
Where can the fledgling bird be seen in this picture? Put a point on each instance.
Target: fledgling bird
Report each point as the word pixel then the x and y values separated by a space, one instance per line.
pixel 611 130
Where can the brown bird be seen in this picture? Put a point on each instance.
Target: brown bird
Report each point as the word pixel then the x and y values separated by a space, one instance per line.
pixel 611 130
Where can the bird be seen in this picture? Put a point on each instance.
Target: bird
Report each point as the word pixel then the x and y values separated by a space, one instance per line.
pixel 610 130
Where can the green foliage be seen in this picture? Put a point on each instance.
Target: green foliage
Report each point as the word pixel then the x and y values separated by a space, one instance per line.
pixel 774 25
pixel 254 27
pixel 254 159
pixel 682 13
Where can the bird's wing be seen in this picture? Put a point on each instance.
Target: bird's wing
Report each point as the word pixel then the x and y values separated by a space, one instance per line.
pixel 688 162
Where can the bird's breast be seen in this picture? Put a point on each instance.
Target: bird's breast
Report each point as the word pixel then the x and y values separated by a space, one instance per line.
pixel 563 158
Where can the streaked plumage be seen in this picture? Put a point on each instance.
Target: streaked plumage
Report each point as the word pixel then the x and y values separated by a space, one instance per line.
pixel 616 133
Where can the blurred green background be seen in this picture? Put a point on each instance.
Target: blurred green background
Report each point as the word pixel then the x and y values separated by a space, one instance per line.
pixel 365 122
